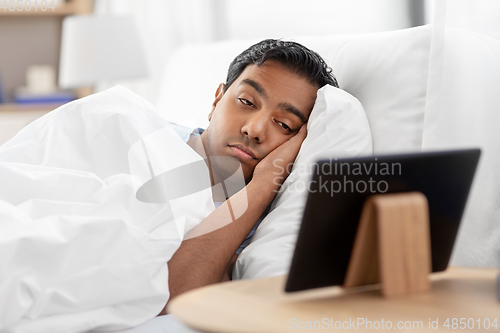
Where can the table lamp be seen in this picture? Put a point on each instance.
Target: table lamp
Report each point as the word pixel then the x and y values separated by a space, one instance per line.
pixel 98 48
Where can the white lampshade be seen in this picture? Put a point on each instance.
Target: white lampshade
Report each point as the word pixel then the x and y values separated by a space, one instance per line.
pixel 96 48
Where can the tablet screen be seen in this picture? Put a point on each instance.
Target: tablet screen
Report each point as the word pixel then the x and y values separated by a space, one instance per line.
pixel 339 188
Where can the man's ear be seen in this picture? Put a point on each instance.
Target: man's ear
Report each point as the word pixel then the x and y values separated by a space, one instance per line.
pixel 218 95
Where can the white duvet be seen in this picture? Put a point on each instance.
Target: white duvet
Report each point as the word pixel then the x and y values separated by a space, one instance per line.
pixel 78 251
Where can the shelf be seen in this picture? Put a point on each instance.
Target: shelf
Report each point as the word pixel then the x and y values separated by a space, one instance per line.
pixel 58 11
pixel 32 37
pixel 11 107
pixel 69 8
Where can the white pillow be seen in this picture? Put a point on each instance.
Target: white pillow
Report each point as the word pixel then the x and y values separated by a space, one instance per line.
pixel 387 72
pixel 338 127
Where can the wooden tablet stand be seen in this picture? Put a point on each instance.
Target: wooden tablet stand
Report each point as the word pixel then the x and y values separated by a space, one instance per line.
pixel 392 245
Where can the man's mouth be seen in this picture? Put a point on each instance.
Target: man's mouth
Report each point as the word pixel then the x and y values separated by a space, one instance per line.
pixel 243 152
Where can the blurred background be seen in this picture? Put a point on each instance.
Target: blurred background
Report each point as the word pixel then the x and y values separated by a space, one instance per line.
pixel 53 51
pixel 32 43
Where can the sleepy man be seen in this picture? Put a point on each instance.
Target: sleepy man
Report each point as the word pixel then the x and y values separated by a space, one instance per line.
pixel 258 117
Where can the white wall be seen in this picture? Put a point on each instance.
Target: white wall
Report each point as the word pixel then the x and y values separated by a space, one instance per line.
pixel 168 24
pixel 480 16
pixel 273 18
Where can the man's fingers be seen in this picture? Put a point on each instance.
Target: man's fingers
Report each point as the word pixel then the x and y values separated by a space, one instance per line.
pixel 290 148
pixel 278 163
pixel 303 131
pixel 300 136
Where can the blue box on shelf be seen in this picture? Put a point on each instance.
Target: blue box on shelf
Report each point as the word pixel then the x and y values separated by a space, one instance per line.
pixel 22 96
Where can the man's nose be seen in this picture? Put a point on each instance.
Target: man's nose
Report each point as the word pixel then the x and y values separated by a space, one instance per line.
pixel 255 126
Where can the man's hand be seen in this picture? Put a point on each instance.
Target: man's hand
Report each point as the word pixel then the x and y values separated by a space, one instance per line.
pixel 273 169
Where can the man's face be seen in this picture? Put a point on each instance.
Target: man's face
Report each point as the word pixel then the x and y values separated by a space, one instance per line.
pixel 262 109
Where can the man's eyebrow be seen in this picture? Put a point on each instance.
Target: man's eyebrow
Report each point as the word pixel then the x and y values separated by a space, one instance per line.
pixel 290 108
pixel 256 86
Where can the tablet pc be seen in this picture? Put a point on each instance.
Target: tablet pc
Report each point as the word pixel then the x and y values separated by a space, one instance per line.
pixel 339 188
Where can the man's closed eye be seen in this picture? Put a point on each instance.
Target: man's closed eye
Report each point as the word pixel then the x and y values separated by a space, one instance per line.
pixel 246 102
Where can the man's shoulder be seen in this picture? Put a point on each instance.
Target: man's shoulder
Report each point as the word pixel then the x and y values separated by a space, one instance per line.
pixel 183 131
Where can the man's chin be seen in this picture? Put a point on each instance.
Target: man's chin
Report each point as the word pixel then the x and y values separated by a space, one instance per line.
pixel 229 169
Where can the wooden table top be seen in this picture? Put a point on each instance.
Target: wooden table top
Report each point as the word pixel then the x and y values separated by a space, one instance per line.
pixel 261 305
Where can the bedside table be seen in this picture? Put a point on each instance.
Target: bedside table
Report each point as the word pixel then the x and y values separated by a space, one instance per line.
pixel 459 296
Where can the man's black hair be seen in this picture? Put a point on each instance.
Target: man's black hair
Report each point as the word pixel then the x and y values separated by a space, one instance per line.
pixel 296 57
